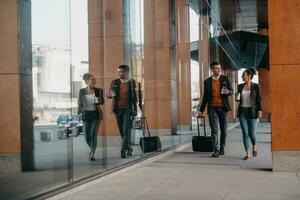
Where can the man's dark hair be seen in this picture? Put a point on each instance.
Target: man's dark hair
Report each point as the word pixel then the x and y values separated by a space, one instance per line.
pixel 124 67
pixel 214 64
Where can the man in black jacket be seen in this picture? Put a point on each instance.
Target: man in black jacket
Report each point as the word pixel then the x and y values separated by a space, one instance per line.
pixel 217 88
pixel 124 105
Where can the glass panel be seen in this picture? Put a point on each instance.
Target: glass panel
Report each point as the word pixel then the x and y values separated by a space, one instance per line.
pixel 117 138
pixel 195 72
pixel 51 93
pixel 82 164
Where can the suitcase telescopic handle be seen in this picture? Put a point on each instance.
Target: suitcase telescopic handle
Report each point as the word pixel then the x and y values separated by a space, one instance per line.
pixel 198 125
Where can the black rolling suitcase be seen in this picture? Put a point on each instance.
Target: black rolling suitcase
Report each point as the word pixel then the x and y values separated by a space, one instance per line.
pixel 202 143
pixel 151 143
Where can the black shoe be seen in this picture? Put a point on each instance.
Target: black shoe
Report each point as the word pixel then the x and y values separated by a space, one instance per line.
pixel 254 153
pixel 215 154
pixel 246 158
pixel 92 159
pixel 123 154
pixel 129 152
pixel 221 151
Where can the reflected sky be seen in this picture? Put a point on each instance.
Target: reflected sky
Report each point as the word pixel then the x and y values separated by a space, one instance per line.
pixel 54 20
pixel 194 26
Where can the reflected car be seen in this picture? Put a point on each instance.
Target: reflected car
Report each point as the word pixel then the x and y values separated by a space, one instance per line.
pixel 64 118
pixel 70 122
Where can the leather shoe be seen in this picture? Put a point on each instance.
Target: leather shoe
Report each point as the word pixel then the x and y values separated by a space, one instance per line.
pixel 221 151
pixel 254 153
pixel 123 154
pixel 215 154
pixel 246 158
pixel 92 158
pixel 129 152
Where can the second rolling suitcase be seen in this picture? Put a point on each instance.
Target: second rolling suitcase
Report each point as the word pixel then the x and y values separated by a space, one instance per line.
pixel 151 143
pixel 202 143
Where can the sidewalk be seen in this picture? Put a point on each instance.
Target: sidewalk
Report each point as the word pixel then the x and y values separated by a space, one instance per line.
pixel 187 175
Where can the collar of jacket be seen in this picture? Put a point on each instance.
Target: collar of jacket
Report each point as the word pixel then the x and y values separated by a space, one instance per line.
pixel 221 79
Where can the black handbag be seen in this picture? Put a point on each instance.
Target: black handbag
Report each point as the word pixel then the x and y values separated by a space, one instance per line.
pixel 151 143
pixel 202 143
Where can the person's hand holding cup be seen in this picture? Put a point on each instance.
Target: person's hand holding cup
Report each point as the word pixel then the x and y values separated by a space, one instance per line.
pixel 224 90
pixel 97 101
pixel 110 94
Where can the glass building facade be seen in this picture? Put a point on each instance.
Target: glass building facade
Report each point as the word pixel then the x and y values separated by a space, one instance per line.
pixel 168 45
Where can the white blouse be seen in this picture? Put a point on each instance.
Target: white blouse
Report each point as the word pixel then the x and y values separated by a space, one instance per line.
pixel 246 103
pixel 90 102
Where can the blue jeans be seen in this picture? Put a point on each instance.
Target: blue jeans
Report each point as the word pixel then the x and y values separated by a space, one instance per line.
pixel 248 126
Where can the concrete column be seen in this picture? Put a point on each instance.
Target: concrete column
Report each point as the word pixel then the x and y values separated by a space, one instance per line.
pixel 284 41
pixel 16 127
pixel 183 58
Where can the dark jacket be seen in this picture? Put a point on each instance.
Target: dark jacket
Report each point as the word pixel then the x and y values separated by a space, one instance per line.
pixel 207 96
pixel 82 100
pixel 134 97
pixel 256 100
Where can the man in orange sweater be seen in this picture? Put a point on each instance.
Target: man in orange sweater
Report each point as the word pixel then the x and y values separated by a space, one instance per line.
pixel 217 88
pixel 124 105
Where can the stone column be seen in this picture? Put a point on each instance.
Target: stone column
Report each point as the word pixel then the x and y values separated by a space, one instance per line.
pixel 106 53
pixel 183 59
pixel 284 42
pixel 232 75
pixel 159 101
pixel 204 52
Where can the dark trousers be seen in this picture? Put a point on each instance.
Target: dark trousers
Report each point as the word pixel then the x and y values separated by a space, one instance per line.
pixel 124 122
pixel 90 126
pixel 90 132
pixel 218 116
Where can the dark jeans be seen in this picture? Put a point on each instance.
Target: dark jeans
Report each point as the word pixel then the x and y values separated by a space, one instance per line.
pixel 124 122
pixel 218 116
pixel 90 125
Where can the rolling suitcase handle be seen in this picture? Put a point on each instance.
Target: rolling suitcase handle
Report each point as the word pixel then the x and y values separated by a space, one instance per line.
pixel 145 125
pixel 198 126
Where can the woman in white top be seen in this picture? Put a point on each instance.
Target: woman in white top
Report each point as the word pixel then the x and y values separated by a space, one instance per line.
pixel 89 106
pixel 249 110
